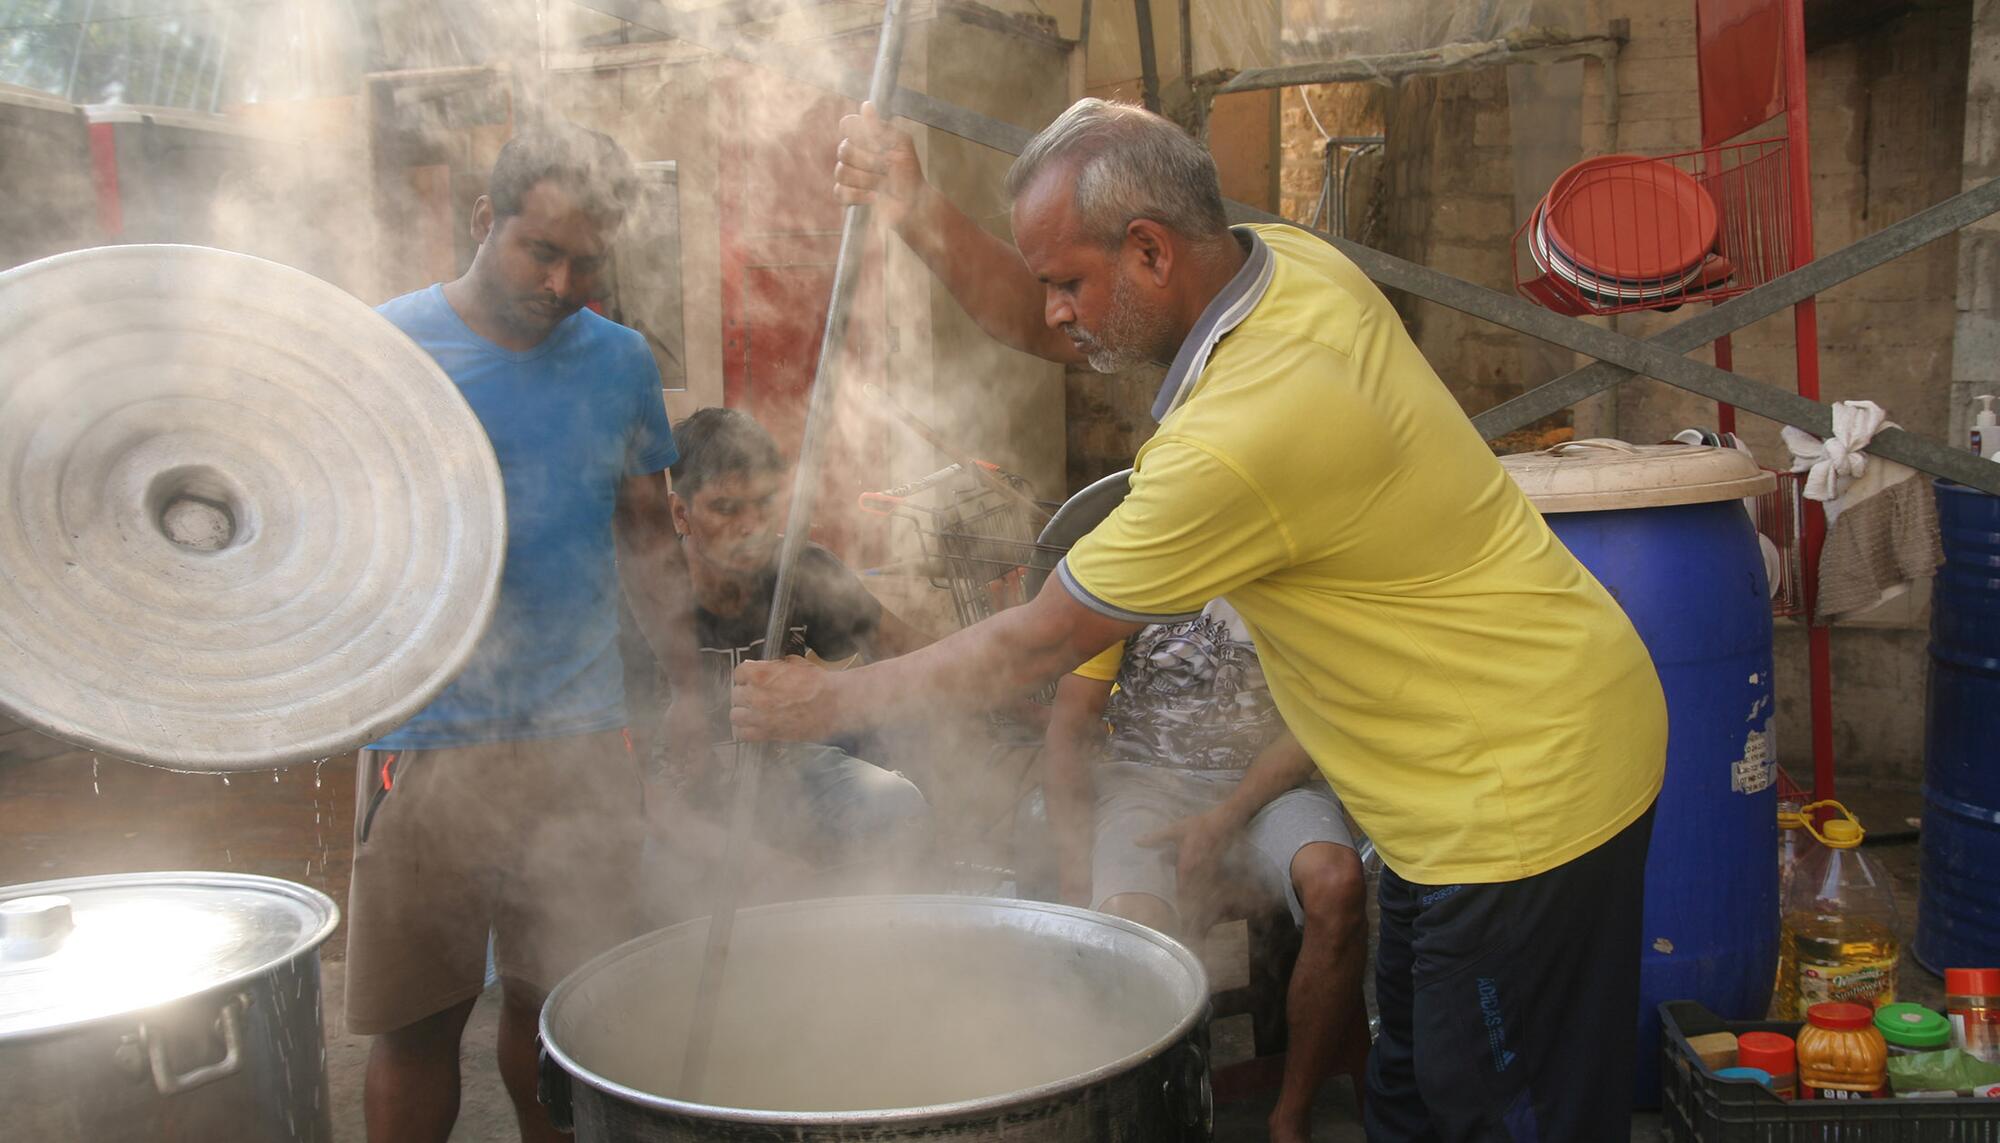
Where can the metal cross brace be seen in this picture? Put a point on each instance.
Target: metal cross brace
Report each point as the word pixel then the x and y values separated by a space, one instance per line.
pixel 1772 297
pixel 1620 357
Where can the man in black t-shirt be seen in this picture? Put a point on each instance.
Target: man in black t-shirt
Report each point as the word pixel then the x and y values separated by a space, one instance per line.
pixel 819 802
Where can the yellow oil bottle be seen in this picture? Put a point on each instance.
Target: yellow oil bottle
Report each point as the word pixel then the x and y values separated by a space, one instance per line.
pixel 1837 937
pixel 1794 842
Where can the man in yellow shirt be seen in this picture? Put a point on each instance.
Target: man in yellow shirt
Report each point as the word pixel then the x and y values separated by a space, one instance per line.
pixel 1479 702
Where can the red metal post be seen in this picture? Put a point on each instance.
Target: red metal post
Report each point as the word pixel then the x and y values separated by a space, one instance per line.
pixel 104 179
pixel 1805 336
pixel 1725 358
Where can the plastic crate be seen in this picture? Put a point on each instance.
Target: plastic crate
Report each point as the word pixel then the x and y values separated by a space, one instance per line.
pixel 1696 1107
pixel 1781 519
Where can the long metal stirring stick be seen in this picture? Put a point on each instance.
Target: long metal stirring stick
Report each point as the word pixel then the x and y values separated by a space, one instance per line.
pixel 805 489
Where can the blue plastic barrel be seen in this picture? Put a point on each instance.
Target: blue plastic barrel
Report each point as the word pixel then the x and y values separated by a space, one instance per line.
pixel 1958 911
pixel 1691 577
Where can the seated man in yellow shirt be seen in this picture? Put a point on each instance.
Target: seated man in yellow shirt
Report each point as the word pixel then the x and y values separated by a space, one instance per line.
pixel 1487 712
pixel 1199 781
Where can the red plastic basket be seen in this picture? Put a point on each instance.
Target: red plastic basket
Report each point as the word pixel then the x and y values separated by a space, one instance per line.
pixel 1621 233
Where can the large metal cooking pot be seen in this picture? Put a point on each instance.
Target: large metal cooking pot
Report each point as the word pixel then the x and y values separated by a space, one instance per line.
pixel 891 1018
pixel 163 1007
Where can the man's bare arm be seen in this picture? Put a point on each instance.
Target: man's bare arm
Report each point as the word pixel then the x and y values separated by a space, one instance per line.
pixel 653 572
pixel 879 165
pixel 1278 767
pixel 975 669
pixel 893 637
pixel 1076 731
pixel 1201 840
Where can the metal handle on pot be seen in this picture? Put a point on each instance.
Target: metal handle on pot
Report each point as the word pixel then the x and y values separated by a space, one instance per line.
pixel 229 1022
pixel 1188 1092
pixel 552 1088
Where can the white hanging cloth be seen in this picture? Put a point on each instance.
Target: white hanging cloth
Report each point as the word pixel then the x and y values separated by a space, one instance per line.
pixel 1832 464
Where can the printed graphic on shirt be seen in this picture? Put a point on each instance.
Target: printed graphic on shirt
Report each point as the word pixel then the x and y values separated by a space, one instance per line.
pixel 1192 696
pixel 832 616
pixel 718 666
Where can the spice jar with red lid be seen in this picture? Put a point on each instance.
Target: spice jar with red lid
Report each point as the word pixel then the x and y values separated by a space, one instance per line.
pixel 1775 1053
pixel 1972 1004
pixel 1841 1054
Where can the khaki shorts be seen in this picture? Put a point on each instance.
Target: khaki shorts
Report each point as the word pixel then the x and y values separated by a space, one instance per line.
pixel 536 842
pixel 1134 799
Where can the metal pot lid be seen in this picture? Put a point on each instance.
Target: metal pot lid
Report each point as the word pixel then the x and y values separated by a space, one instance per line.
pixel 1604 475
pixel 244 521
pixel 1077 517
pixel 85 949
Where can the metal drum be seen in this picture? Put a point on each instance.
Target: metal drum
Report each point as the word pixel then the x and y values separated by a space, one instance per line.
pixel 1664 529
pixel 163 1008
pixel 1958 914
pixel 891 1018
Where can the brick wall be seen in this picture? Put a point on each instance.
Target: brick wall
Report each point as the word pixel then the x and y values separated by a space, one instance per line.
pixel 1888 121
pixel 1887 114
pixel 1341 109
pixel 1448 183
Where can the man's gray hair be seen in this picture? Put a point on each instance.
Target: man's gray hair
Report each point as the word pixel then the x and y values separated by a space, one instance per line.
pixel 1130 164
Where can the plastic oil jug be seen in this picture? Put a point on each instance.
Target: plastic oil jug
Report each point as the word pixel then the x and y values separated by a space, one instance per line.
pixel 1837 940
pixel 1794 842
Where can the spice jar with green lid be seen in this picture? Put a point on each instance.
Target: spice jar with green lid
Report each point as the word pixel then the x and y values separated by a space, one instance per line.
pixel 1912 1028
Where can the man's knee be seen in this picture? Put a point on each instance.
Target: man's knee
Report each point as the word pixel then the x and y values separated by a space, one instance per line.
pixel 1143 908
pixel 1331 886
pixel 899 802
pixel 518 997
pixel 433 1035
pixel 840 785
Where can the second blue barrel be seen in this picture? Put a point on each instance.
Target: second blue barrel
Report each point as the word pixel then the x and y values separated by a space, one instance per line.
pixel 1665 530
pixel 1958 913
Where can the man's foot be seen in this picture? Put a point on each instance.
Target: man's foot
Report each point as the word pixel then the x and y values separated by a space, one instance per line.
pixel 1290 1128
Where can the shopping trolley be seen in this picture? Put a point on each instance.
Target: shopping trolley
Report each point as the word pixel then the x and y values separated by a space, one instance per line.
pixel 980 531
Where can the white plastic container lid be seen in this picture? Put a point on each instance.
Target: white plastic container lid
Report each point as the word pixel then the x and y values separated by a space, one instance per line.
pixel 1604 475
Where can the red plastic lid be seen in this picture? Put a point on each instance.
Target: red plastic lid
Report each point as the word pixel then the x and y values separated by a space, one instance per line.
pixel 1839 1017
pixel 1972 981
pixel 1772 1051
pixel 1630 218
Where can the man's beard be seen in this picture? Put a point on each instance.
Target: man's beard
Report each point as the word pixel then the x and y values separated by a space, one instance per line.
pixel 1131 334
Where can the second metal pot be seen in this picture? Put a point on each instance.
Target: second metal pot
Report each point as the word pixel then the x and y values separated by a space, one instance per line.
pixel 164 1008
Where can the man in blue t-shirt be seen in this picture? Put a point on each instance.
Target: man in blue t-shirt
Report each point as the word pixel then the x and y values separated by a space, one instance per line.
pixel 511 805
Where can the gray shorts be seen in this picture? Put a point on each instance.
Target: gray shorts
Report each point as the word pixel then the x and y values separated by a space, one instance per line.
pixel 1134 799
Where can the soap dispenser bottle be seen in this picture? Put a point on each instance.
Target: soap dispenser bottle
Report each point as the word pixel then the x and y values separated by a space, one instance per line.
pixel 1986 430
